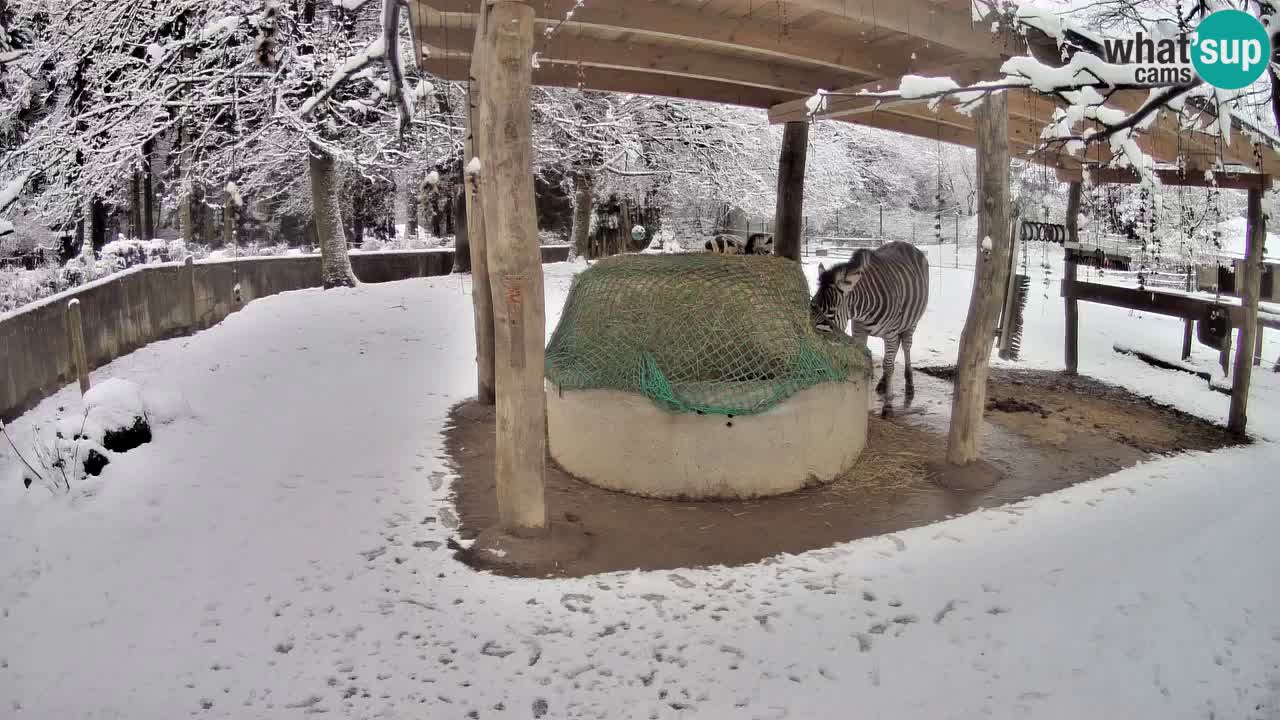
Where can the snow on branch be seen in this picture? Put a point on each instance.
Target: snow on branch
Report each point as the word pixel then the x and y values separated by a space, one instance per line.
pixel 10 192
pixel 349 69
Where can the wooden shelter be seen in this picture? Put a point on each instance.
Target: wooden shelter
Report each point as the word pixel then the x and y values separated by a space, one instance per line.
pixel 767 55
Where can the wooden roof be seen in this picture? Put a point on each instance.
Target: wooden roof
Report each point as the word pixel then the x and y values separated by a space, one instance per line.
pixel 774 54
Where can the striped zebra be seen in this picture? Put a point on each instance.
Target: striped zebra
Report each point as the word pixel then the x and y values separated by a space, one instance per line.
pixel 756 244
pixel 883 292
pixel 725 245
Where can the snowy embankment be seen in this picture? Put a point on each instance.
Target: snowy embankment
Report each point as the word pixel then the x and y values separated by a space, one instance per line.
pixel 282 551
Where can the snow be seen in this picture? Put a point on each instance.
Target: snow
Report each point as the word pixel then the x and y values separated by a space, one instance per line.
pixel 986 243
pixel 224 26
pixel 1234 238
pixel 10 192
pixel 113 403
pixel 916 86
pixel 816 102
pixel 473 167
pixel 279 550
pixel 6 227
pixel 233 192
pixel 433 177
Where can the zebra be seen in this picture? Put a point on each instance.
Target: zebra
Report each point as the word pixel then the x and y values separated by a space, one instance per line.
pixel 759 244
pixel 724 245
pixel 756 244
pixel 884 293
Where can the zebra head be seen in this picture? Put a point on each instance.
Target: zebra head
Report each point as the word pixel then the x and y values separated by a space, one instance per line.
pixel 833 284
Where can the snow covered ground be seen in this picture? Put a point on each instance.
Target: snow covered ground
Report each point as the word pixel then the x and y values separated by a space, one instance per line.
pixel 280 552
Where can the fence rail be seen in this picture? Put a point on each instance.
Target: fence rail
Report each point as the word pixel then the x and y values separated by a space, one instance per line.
pixel 126 311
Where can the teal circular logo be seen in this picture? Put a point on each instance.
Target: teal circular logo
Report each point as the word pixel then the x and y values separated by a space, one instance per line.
pixel 1231 49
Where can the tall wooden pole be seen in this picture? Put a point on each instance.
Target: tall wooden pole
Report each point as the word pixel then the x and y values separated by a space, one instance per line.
pixel 789 212
pixel 514 263
pixel 1072 344
pixel 481 294
pixel 1250 282
pixel 990 274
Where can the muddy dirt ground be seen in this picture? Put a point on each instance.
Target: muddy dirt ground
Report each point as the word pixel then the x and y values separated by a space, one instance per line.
pixel 1043 431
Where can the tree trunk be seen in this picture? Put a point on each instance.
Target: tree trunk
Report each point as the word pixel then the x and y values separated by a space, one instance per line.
pixel 582 186
pixel 789 212
pixel 473 204
pixel 1072 341
pixel 401 204
pixel 185 218
pixel 135 209
pixel 1250 288
pixel 97 223
pixel 148 194
pixel 411 216
pixel 464 255
pixel 424 206
pixel 515 264
pixel 228 220
pixel 335 265
pixel 990 274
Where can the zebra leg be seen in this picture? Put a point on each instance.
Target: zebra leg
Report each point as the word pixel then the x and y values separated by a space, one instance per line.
pixel 906 359
pixel 885 386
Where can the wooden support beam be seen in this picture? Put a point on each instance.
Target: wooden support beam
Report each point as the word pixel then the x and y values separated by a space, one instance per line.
pixel 990 272
pixel 628 81
pixel 661 21
pixel 922 22
pixel 511 236
pixel 841 105
pixel 1071 346
pixel 1251 280
pixel 1187 307
pixel 788 219
pixel 481 293
pixel 1237 181
pixel 573 47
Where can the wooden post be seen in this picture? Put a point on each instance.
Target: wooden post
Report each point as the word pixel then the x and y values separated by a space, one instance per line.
pixel 481 293
pixel 515 265
pixel 1257 347
pixel 1249 289
pixel 1072 343
pixel 75 333
pixel 189 289
pixel 789 211
pixel 990 273
pixel 1188 330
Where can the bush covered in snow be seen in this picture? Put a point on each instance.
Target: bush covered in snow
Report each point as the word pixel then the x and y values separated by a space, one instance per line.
pixel 117 416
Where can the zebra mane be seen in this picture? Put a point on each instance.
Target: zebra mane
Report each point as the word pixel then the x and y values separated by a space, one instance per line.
pixel 859 260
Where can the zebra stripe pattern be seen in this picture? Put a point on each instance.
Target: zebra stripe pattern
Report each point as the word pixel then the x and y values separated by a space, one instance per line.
pixel 756 244
pixel 883 293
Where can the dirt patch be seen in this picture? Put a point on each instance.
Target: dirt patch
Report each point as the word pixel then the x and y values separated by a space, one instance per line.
pixel 1044 432
pixel 1054 408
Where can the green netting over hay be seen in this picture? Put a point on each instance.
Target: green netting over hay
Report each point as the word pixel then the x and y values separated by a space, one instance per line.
pixel 697 333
